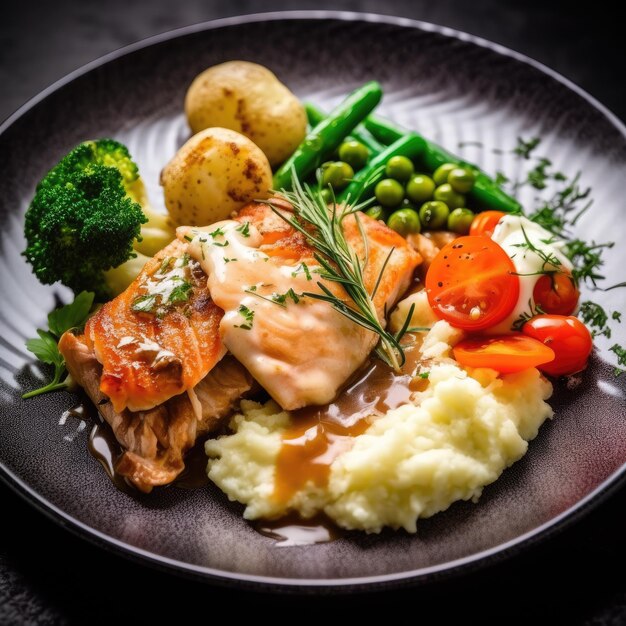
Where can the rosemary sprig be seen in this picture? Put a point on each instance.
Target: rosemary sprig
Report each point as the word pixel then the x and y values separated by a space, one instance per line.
pixel 340 263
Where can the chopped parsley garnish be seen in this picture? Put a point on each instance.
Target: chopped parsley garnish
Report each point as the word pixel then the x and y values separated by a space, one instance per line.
pixel 525 148
pixel 218 232
pixel 620 352
pixel 244 229
pixel 180 293
pixel 302 269
pixel 248 316
pixel 277 298
pixel 281 298
pixel 594 316
pixel 165 264
pixel 144 303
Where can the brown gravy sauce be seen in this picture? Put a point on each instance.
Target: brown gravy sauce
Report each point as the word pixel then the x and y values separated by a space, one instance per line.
pixel 104 448
pixel 292 530
pixel 319 434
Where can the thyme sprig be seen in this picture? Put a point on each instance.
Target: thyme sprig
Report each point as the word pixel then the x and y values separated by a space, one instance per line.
pixel 324 231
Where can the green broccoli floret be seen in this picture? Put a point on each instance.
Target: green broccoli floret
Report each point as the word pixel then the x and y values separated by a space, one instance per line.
pixel 90 214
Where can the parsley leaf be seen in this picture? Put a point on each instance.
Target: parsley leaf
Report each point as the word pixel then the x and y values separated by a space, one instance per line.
pixel 45 346
pixel 71 315
pixel 180 293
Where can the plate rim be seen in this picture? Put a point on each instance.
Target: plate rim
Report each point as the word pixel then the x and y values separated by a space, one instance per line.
pixel 258 582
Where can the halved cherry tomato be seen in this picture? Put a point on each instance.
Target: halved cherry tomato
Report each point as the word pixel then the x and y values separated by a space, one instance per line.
pixel 484 223
pixel 504 353
pixel 567 336
pixel 472 284
pixel 557 293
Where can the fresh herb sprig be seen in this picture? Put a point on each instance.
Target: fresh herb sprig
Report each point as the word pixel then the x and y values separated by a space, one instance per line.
pixel 340 262
pixel 558 214
pixel 45 347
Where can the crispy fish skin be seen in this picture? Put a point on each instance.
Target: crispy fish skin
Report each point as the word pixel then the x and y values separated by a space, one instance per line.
pixel 155 441
pixel 148 358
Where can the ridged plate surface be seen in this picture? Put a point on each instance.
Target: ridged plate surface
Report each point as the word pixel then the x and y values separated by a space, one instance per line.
pixel 449 86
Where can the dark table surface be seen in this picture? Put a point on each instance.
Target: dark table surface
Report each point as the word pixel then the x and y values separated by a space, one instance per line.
pixel 49 576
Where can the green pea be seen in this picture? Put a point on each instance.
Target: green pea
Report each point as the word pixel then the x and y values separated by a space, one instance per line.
pixel 399 168
pixel 461 179
pixel 441 173
pixel 446 194
pixel 354 153
pixel 389 192
pixel 420 188
pixel 337 174
pixel 404 222
pixel 460 220
pixel 377 212
pixel 434 214
pixel 326 194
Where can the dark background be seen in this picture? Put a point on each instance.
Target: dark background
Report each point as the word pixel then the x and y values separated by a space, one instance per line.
pixel 49 576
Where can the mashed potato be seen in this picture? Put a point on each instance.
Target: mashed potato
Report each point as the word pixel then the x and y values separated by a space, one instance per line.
pixel 459 434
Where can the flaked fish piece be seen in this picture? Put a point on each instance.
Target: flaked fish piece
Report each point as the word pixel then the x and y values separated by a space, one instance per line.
pixel 156 440
pixel 299 349
pixel 428 247
pixel 160 336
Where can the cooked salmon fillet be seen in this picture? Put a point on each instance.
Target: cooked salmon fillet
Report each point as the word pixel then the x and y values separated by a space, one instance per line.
pixel 155 441
pixel 287 245
pixel 299 349
pixel 159 337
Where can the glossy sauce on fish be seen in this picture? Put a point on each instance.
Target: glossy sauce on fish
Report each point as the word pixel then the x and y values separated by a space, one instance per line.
pixel 300 349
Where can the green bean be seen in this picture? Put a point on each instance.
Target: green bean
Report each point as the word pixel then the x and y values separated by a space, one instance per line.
pixel 365 180
pixel 485 192
pixel 319 144
pixel 360 133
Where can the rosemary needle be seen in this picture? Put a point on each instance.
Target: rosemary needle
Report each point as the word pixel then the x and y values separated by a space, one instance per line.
pixel 340 262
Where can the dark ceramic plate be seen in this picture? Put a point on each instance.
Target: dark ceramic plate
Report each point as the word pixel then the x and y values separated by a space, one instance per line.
pixel 450 86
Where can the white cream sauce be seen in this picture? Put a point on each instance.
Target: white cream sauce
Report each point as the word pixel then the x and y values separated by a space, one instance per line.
pixel 511 233
pixel 301 351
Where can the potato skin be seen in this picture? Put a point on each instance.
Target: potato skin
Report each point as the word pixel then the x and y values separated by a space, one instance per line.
pixel 248 98
pixel 215 173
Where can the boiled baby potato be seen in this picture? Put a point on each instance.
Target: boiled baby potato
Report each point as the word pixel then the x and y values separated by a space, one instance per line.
pixel 248 98
pixel 216 172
